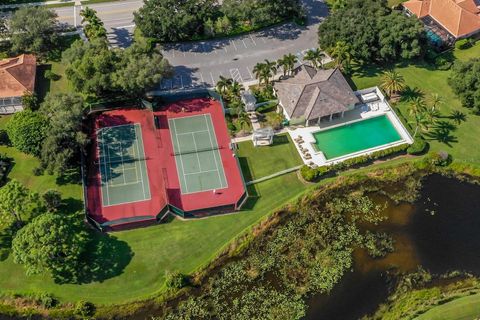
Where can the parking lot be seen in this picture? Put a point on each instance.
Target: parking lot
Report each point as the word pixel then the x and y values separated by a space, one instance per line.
pixel 201 63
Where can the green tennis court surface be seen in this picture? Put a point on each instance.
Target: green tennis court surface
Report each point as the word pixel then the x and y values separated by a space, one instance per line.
pixel 197 156
pixel 122 164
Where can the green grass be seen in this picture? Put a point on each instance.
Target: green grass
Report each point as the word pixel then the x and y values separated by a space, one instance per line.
pixel 466 308
pixel 258 162
pixel 182 246
pixel 428 80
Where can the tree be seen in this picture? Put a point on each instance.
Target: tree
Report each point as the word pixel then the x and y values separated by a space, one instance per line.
pixel 416 109
pixel 243 120
pixel 33 30
pixel 173 20
pixel 65 139
pixel 283 64
pixel 392 83
pixel 259 71
pixel 27 130
pixel 290 60
pixel 89 66
pixel 341 53
pixel 17 203
pixel 29 100
pixel 315 57
pixel 223 84
pixel 53 243
pixel 52 199
pixel 373 31
pixel 140 69
pixel 435 100
pixel 235 89
pixel 269 70
pixel 94 27
pixel 465 82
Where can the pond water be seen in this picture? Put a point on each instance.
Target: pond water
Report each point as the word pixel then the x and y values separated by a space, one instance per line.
pixel 440 232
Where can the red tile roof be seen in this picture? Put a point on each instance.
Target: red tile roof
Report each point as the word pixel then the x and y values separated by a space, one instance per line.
pixel 459 17
pixel 17 75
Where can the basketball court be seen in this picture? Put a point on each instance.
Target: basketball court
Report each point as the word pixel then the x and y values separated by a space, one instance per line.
pixel 122 165
pixel 197 155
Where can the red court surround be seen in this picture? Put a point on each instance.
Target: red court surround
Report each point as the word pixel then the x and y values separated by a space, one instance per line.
pixel 162 172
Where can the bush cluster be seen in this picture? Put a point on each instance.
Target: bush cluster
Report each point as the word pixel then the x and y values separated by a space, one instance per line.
pixel 418 147
pixel 176 280
pixel 313 174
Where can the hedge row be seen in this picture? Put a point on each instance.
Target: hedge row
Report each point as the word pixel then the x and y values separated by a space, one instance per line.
pixel 313 174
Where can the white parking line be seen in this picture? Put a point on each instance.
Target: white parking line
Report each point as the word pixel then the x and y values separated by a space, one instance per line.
pixel 181 80
pixel 244 43
pixel 201 78
pixel 251 38
pixel 251 75
pixel 263 39
pixel 236 76
pixel 213 81
pixel 233 42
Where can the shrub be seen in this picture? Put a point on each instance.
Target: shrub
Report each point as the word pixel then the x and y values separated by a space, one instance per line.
pixel 308 173
pixel 418 147
pixel 27 130
pixel 46 300
pixel 438 158
pixel 4 137
pixel 176 280
pixel 84 309
pixel 50 75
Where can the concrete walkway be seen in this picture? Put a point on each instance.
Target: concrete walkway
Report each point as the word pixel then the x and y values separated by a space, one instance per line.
pixel 249 137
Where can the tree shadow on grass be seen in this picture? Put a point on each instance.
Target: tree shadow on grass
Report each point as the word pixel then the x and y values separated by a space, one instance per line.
pixel 410 94
pixel 106 257
pixel 442 135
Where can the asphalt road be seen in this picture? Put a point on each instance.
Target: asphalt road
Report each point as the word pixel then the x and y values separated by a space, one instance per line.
pixel 117 17
pixel 200 64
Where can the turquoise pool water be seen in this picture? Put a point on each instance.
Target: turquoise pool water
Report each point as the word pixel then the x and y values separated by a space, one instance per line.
pixel 358 136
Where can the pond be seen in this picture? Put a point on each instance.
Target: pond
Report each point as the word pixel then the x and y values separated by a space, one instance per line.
pixel 440 232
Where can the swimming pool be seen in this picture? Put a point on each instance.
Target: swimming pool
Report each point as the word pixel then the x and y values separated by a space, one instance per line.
pixel 355 137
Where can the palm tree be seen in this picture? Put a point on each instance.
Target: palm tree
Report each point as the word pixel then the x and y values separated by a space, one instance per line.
pixel 283 64
pixel 342 55
pixel 259 71
pixel 416 110
pixel 235 89
pixel 290 60
pixel 435 100
pixel 94 27
pixel 223 84
pixel 315 57
pixel 270 70
pixel 392 83
pixel 243 120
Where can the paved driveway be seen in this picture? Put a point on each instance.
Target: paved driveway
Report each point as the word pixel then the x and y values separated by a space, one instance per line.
pixel 200 64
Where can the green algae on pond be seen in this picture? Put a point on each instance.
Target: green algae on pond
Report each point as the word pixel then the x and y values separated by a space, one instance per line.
pixel 439 232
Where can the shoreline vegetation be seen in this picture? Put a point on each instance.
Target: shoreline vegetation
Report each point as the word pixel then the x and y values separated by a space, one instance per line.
pixel 180 286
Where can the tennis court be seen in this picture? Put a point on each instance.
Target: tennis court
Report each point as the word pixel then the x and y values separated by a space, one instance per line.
pixel 197 155
pixel 122 165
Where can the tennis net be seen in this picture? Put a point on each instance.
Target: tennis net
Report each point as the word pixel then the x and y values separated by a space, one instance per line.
pixel 190 151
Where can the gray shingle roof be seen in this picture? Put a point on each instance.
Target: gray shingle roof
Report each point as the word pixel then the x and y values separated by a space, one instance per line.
pixel 313 94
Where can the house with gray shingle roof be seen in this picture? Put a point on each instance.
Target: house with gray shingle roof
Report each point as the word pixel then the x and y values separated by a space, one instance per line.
pixel 311 95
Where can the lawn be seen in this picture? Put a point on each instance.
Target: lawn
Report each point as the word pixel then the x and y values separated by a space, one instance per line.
pixel 465 308
pixel 258 162
pixel 178 245
pixel 423 77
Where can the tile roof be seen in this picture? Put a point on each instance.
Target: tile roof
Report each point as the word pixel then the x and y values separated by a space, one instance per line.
pixel 17 75
pixel 313 94
pixel 459 17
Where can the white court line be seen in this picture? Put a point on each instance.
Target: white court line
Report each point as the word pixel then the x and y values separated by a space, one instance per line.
pixel 214 153
pixel 233 42
pixel 181 158
pixel 106 172
pixel 190 132
pixel 199 172
pixel 141 173
pixel 121 157
pixel 196 153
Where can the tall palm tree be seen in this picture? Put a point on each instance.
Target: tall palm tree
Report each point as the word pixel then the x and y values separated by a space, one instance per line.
pixel 94 27
pixel 315 57
pixel 341 53
pixel 243 120
pixel 235 89
pixel 283 64
pixel 270 70
pixel 290 60
pixel 259 71
pixel 416 110
pixel 435 100
pixel 392 82
pixel 223 84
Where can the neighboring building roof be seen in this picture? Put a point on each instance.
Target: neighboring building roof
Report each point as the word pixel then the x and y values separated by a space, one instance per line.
pixel 17 75
pixel 313 94
pixel 459 17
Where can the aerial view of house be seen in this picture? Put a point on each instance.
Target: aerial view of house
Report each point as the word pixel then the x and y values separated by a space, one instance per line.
pixel 240 159
pixel 17 77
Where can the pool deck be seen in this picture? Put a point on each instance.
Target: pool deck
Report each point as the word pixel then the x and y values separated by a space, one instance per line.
pixel 365 111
